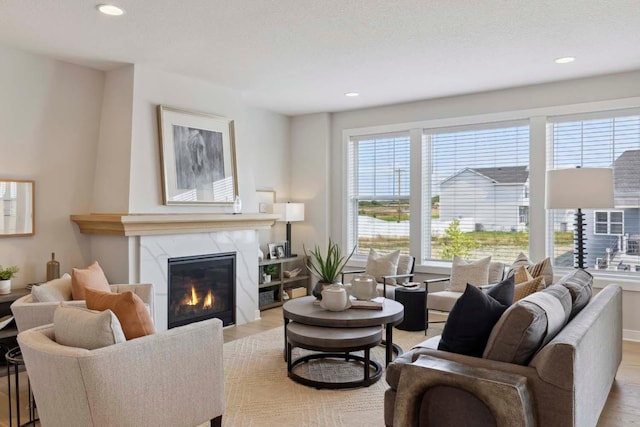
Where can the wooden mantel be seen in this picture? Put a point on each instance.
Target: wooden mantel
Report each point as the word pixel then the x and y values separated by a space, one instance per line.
pixel 124 224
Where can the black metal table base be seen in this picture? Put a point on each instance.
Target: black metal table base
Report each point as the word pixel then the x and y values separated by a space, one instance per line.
pixel 365 382
pixel 14 358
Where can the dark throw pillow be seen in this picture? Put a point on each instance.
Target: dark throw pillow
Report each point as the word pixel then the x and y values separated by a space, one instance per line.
pixel 470 322
pixel 503 292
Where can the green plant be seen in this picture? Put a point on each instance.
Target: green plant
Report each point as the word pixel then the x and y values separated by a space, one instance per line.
pixel 457 243
pixel 329 266
pixel 9 272
pixel 271 270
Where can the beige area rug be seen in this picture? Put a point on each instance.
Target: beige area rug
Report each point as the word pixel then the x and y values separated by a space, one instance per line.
pixel 259 393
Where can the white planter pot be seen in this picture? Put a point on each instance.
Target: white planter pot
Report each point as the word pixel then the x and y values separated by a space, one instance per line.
pixel 5 287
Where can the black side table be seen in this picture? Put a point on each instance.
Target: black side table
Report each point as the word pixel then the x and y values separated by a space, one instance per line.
pixel 14 358
pixel 414 307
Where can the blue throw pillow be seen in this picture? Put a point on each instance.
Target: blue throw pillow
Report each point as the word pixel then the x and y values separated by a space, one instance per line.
pixel 470 322
pixel 503 291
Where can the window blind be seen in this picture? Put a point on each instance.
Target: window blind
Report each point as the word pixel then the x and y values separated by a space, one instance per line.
pixel 613 236
pixel 378 192
pixel 477 192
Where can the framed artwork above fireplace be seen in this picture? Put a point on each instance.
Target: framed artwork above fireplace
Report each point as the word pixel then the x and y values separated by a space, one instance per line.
pixel 197 158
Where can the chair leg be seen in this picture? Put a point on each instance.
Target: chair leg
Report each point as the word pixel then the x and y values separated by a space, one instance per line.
pixel 217 421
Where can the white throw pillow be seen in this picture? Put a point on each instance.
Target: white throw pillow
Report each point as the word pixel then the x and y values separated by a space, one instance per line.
pixel 84 328
pixel 379 265
pixel 405 265
pixel 53 291
pixel 474 273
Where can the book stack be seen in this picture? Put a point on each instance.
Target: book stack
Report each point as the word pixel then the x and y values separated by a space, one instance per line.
pixel 374 304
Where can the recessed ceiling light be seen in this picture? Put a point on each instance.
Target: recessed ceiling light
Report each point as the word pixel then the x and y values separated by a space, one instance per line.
pixel 565 59
pixel 352 94
pixel 111 10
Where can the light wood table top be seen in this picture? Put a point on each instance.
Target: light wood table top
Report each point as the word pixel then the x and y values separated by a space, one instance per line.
pixel 303 310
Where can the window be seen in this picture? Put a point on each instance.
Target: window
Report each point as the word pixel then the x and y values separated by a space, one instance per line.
pixel 523 214
pixel 613 141
pixel 606 222
pixel 479 177
pixel 378 193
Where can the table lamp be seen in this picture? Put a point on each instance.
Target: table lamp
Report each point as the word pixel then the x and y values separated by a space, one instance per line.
pixel 579 188
pixel 289 212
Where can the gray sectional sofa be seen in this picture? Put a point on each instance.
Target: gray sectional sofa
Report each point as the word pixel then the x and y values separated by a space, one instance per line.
pixel 565 382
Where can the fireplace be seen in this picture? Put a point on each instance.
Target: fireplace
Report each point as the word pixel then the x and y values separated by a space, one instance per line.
pixel 202 287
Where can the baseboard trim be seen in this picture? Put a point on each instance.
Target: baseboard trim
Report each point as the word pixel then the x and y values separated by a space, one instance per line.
pixel 256 315
pixel 631 335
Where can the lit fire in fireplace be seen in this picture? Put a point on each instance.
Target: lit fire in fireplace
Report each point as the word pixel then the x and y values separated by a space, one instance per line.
pixel 193 300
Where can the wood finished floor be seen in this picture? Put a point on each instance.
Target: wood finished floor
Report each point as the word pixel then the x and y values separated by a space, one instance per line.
pixel 622 407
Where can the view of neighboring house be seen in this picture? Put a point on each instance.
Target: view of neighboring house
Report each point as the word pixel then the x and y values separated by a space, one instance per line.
pixel 613 235
pixel 500 200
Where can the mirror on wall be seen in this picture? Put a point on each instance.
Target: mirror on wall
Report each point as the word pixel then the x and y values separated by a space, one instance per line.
pixel 17 207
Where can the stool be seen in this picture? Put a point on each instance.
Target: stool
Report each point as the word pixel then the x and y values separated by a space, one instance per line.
pixel 330 341
pixel 413 300
pixel 14 358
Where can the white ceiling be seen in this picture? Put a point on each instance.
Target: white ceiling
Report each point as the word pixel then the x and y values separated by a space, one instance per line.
pixel 301 56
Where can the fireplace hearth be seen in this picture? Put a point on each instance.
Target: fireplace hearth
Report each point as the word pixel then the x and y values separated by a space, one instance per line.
pixel 202 287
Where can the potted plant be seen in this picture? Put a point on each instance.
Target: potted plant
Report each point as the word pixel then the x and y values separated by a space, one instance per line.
pixel 269 270
pixel 326 267
pixel 5 278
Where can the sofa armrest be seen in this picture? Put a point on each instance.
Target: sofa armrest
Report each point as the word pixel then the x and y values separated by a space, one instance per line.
pixel 506 395
pixel 436 280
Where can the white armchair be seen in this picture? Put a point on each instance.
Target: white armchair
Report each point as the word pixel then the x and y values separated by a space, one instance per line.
pixel 29 314
pixel 171 378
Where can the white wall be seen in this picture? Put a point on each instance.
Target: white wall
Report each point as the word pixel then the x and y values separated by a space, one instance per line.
pixel 49 116
pixel 310 171
pixel 262 139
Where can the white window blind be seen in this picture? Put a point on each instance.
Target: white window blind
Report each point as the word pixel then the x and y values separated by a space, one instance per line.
pixel 378 192
pixel 477 192
pixel 613 236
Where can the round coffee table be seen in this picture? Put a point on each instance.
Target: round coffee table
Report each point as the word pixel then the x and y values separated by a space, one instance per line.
pixel 303 310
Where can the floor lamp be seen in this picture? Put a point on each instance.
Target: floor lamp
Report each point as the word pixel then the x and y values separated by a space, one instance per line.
pixel 579 188
pixel 289 212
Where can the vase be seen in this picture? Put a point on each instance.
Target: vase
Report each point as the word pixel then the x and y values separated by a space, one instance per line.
pixel 319 287
pixel 5 287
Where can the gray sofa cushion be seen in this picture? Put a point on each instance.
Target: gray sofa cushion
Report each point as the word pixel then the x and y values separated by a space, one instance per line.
pixel 524 327
pixel 579 283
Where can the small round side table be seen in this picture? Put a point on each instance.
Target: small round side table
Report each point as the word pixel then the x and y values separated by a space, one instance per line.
pixel 14 358
pixel 414 307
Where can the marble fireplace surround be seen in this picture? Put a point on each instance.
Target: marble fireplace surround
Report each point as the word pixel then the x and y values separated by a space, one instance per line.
pixel 151 239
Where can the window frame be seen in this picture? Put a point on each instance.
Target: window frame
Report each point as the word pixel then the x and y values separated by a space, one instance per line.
pixel 608 223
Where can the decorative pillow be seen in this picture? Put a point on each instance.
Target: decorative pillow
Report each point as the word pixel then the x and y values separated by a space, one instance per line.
pixel 379 265
pixel 91 277
pixel 544 269
pixel 525 289
pixel 523 327
pixel 79 327
pixel 579 283
pixel 474 273
pixel 564 296
pixel 522 275
pixel 405 264
pixel 496 272
pixel 522 260
pixel 130 309
pixel 503 292
pixel 53 291
pixel 470 322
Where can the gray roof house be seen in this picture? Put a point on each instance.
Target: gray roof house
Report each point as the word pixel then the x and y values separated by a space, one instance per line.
pixel 495 199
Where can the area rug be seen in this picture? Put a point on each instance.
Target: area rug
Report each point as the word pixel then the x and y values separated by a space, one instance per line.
pixel 259 393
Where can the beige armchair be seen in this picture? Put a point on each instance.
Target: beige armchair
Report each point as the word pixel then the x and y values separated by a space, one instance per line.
pixel 172 378
pixel 29 314
pixel 443 301
pixel 388 286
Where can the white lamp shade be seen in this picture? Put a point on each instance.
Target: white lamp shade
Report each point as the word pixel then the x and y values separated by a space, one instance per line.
pixel 289 212
pixel 585 188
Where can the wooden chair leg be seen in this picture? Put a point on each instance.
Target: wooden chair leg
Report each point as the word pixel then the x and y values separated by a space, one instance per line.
pixel 216 422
